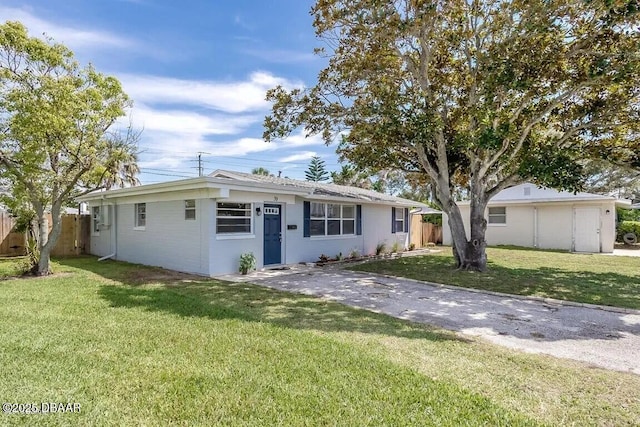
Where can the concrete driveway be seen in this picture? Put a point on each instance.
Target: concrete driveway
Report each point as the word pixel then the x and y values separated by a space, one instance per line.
pixel 597 337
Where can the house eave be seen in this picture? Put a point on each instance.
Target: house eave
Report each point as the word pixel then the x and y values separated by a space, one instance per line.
pixel 536 201
pixel 199 183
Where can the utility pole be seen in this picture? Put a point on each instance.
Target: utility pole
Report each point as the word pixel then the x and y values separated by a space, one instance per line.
pixel 200 167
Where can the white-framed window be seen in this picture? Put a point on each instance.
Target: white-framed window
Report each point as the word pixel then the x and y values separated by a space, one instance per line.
pixel 233 218
pixel 498 215
pixel 332 219
pixel 189 209
pixel 398 223
pixel 95 220
pixel 140 215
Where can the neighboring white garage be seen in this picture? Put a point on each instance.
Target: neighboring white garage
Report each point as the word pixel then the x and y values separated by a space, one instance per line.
pixel 530 216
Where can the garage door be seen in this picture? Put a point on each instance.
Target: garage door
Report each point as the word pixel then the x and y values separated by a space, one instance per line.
pixel 586 229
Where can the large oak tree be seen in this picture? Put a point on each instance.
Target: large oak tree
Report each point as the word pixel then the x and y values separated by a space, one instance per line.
pixel 56 136
pixel 478 94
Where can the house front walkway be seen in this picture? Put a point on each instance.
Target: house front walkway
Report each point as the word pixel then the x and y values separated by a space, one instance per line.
pixel 594 336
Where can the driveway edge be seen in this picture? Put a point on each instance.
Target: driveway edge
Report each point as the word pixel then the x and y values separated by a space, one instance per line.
pixel 565 303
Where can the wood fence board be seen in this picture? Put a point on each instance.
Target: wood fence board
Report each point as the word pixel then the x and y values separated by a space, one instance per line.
pixel 73 240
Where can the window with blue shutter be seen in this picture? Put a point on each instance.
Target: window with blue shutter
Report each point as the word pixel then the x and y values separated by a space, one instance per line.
pixel 307 219
pixel 393 220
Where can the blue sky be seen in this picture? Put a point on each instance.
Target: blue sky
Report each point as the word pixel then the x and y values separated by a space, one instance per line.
pixel 197 72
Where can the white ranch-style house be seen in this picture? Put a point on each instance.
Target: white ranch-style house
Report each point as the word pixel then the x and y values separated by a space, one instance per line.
pixel 202 225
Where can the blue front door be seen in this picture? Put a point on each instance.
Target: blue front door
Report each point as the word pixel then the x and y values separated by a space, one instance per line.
pixel 272 235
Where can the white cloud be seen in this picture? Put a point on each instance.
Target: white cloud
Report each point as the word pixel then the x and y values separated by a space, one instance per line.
pixel 75 38
pixel 304 155
pixel 226 96
pixel 185 122
pixel 171 150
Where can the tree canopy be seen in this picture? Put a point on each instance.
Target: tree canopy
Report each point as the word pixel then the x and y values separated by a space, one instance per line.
pixel 473 94
pixel 56 130
pixel 316 170
pixel 261 171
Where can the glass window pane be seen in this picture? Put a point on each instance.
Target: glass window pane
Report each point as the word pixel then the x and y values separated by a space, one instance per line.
pixel 501 210
pixel 190 214
pixel 316 227
pixel 348 211
pixel 399 226
pixel 333 211
pixel 317 210
pixel 189 203
pixel 348 226
pixel 333 227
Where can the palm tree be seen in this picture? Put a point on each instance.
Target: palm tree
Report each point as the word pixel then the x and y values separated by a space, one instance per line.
pixel 261 171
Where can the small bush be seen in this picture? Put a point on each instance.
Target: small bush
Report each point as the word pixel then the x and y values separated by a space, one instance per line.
pixel 380 247
pixel 628 214
pixel 625 227
pixel 323 258
pixel 354 254
pixel 395 248
pixel 247 262
pixel 435 219
pixel 412 246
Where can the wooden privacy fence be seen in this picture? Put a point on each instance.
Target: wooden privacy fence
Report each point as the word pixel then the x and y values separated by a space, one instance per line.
pixel 424 232
pixel 74 237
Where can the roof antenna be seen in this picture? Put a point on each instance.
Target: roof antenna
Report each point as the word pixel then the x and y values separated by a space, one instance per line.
pixel 279 173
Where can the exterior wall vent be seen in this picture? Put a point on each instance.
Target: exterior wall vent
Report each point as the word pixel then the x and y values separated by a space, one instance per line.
pixel 527 191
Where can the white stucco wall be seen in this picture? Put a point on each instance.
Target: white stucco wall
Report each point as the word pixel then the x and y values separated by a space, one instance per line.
pixel 308 249
pixel 555 225
pixel 101 242
pixel 376 228
pixel 168 239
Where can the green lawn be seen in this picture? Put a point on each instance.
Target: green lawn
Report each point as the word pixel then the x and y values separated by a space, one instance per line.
pixel 141 346
pixel 594 279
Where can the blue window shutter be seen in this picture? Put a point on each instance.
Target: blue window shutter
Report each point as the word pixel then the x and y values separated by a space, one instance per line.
pixel 406 220
pixel 393 220
pixel 359 220
pixel 307 219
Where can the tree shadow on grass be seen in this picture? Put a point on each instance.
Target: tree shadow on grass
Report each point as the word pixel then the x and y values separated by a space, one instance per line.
pixel 603 288
pixel 156 289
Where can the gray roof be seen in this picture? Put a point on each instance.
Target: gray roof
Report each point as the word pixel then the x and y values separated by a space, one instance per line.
pixel 531 193
pixel 317 188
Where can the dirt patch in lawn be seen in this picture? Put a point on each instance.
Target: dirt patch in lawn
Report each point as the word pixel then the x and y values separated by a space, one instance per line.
pixel 158 275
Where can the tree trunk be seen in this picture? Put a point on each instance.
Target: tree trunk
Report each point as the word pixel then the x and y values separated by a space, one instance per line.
pixel 470 254
pixel 47 241
pixel 42 267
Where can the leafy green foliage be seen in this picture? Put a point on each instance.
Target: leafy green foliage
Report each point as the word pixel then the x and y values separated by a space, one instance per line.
pixel 435 219
pixel 477 95
pixel 351 176
pixel 57 140
pixel 261 171
pixel 625 227
pixel 247 262
pixel 628 214
pixel 316 171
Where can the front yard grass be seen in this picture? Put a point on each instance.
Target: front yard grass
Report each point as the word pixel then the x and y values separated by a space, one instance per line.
pixel 143 346
pixel 593 279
